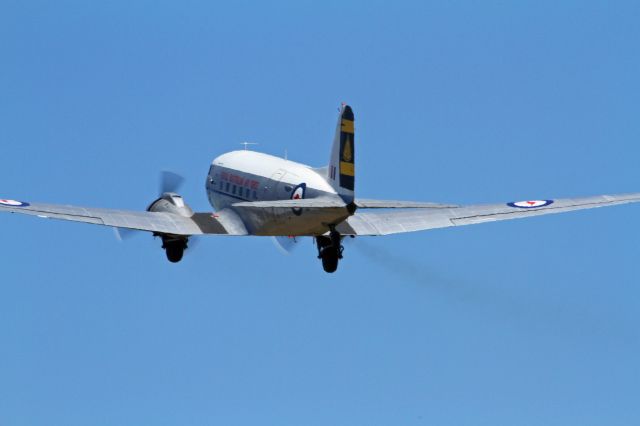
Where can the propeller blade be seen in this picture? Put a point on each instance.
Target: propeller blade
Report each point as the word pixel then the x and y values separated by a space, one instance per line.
pixel 193 242
pixel 286 244
pixel 123 234
pixel 348 240
pixel 170 182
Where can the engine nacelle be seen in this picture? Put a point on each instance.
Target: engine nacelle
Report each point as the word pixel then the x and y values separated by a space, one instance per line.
pixel 171 202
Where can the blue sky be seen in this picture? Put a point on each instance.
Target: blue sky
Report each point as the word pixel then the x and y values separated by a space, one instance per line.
pixel 523 323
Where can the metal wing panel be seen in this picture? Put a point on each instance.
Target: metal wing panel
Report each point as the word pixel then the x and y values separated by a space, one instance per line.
pixel 411 220
pixel 472 215
pixel 61 212
pixel 225 222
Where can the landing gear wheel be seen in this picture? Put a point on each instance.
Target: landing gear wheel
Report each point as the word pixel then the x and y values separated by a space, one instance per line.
pixel 330 251
pixel 330 260
pixel 174 248
pixel 174 253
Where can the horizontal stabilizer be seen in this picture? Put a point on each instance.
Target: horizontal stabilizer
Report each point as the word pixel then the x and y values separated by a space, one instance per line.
pixel 333 203
pixel 392 204
pixel 298 203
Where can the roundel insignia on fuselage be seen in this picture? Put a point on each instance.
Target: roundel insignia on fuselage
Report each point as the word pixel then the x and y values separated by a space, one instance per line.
pixel 13 203
pixel 530 204
pixel 298 193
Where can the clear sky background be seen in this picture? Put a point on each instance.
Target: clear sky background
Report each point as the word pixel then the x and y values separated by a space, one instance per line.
pixel 522 323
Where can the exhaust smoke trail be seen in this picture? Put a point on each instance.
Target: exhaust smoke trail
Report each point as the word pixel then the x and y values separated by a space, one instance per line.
pixel 488 301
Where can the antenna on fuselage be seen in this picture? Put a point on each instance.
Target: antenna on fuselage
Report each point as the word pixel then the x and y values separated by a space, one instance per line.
pixel 246 144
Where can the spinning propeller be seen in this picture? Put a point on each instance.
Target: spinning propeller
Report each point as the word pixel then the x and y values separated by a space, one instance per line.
pixel 168 182
pixel 287 244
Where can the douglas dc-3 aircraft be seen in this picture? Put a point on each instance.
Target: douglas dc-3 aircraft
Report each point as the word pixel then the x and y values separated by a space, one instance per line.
pixel 259 194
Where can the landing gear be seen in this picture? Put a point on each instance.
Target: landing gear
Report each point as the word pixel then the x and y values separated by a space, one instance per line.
pixel 330 250
pixel 174 247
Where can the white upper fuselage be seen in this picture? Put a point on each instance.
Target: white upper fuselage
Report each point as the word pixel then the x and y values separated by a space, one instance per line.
pixel 248 176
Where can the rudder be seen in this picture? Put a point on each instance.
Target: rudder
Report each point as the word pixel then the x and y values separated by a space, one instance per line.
pixel 341 172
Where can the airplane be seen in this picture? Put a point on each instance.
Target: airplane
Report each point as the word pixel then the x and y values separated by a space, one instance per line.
pixel 262 195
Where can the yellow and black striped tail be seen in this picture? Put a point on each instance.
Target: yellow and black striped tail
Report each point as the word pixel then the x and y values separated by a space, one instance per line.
pixel 341 171
pixel 347 153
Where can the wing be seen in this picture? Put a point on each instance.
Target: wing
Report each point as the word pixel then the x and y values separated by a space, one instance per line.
pixel 410 220
pixel 223 222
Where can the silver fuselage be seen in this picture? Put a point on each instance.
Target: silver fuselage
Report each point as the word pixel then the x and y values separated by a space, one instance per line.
pixel 248 176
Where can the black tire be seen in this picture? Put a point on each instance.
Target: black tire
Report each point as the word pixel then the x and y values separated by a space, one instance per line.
pixel 330 260
pixel 175 252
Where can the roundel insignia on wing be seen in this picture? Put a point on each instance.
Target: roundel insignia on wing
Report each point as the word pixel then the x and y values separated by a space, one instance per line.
pixel 298 194
pixel 530 204
pixel 13 203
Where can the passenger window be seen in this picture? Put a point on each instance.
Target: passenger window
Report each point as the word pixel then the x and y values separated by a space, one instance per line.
pixel 233 191
pixel 246 193
pixel 255 196
pixel 220 185
pixel 227 188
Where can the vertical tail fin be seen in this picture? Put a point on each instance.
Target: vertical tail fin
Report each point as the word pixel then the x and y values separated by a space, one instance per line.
pixel 341 172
